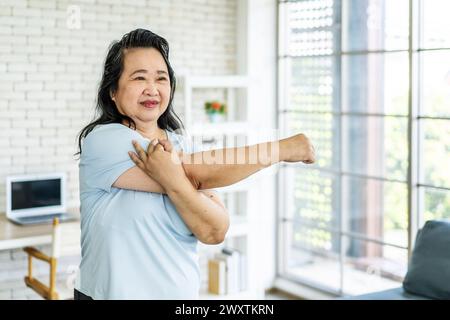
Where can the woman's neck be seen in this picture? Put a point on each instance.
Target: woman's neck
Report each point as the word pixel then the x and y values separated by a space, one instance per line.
pixel 150 131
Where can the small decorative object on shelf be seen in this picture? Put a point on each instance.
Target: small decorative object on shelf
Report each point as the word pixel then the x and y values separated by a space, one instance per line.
pixel 216 111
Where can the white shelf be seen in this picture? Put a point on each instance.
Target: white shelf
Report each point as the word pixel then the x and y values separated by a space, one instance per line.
pixel 222 128
pixel 238 226
pixel 228 82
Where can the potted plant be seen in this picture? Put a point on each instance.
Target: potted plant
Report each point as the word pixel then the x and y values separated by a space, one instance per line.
pixel 216 111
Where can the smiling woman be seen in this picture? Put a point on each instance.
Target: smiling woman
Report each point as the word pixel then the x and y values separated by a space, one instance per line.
pixel 143 214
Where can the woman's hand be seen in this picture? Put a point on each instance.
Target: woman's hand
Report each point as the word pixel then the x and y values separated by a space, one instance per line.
pixel 297 148
pixel 161 162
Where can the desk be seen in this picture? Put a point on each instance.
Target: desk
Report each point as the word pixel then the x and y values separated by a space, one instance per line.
pixel 14 236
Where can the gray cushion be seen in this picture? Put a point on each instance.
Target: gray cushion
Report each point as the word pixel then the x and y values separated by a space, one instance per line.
pixel 429 267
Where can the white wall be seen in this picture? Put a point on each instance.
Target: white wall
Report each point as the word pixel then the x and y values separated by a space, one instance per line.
pixel 261 61
pixel 49 76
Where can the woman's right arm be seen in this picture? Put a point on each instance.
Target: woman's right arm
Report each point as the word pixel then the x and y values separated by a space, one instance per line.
pixel 251 160
pixel 136 179
pixel 207 176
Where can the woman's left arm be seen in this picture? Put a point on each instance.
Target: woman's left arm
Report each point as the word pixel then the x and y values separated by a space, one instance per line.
pixel 202 211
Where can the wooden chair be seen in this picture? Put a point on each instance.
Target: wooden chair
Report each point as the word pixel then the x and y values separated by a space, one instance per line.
pixel 65 242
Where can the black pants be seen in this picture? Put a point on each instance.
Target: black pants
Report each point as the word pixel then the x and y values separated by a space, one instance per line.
pixel 77 295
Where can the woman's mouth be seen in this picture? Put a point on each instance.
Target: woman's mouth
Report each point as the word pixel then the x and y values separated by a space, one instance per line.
pixel 149 104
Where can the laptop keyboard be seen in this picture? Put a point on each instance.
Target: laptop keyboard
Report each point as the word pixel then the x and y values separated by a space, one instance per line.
pixel 42 219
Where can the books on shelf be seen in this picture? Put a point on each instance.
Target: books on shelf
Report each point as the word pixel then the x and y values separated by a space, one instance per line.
pixel 217 276
pixel 227 272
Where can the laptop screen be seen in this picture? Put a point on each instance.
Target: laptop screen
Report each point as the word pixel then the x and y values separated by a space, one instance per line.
pixel 37 193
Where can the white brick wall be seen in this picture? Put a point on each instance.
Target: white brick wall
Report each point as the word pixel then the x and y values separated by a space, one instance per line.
pixel 49 76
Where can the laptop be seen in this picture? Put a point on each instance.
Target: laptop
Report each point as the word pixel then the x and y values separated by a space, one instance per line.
pixel 36 198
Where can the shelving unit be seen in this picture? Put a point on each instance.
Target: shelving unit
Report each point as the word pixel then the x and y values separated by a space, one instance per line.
pixel 229 83
pixel 236 197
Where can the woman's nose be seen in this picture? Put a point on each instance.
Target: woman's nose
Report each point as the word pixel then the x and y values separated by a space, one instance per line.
pixel 151 89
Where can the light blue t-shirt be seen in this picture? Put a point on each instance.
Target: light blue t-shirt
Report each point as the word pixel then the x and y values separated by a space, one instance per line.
pixel 134 245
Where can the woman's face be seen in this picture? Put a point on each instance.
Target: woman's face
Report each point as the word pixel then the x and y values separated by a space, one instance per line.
pixel 144 86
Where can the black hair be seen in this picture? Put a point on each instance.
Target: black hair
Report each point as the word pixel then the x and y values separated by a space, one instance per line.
pixel 106 108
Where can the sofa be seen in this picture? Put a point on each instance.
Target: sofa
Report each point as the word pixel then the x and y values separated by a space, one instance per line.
pixel 428 275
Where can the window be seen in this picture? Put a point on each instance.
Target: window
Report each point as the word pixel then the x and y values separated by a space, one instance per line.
pixel 369 82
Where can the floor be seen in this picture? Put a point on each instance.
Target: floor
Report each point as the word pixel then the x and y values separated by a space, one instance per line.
pixel 276 294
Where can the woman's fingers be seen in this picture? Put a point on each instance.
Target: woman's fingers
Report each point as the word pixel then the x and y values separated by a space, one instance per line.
pixel 141 152
pixel 159 147
pixel 166 144
pixel 151 146
pixel 134 157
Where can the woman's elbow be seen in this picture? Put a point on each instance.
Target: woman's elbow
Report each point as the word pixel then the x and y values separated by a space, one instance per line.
pixel 216 236
pixel 213 238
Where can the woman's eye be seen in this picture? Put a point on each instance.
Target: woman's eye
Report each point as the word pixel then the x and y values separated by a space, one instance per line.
pixel 139 78
pixel 162 78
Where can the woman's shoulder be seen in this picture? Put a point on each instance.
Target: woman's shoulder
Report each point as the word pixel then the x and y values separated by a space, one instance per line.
pixel 105 135
pixel 110 127
pixel 175 134
pixel 110 130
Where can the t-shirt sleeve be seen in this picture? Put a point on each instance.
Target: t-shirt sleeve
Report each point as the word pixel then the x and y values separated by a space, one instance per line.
pixel 104 156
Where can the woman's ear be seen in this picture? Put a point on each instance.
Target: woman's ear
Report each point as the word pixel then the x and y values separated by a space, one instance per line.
pixel 111 94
